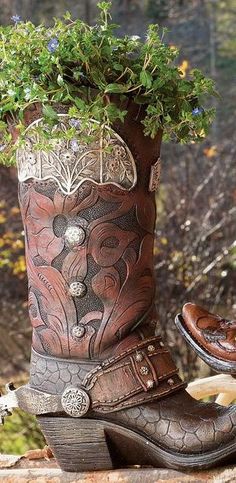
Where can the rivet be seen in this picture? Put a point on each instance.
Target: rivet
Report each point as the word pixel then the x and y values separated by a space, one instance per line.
pixel 78 289
pixel 75 235
pixel 170 382
pixel 151 348
pixel 144 370
pixel 139 357
pixel 78 331
pixel 150 383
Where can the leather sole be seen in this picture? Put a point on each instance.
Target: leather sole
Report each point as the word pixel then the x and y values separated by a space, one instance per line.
pixel 90 444
pixel 218 365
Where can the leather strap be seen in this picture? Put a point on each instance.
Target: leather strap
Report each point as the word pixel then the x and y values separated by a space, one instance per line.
pixel 143 373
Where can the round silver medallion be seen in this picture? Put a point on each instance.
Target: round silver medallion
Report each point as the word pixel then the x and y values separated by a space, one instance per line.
pixel 75 402
pixel 78 331
pixel 74 235
pixel 144 370
pixel 78 289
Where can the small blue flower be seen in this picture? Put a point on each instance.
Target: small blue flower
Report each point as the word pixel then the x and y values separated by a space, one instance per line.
pixel 197 111
pixel 53 45
pixel 75 123
pixel 16 19
pixel 74 146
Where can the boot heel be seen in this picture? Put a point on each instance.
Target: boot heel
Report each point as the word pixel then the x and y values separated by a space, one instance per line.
pixel 77 444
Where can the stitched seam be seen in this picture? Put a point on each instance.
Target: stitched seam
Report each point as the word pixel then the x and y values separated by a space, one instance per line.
pixel 134 391
pixel 147 398
pixel 111 369
pixel 161 351
pixel 122 355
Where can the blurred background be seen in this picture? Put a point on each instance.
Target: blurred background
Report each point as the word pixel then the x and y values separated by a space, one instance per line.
pixel 195 248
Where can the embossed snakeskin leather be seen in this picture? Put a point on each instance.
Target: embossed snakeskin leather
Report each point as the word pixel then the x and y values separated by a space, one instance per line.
pixel 53 375
pixel 181 423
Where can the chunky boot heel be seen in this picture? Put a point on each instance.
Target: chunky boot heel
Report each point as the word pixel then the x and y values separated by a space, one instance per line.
pixel 77 444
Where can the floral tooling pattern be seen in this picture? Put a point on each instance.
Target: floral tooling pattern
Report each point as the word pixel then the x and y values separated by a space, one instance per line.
pixel 113 262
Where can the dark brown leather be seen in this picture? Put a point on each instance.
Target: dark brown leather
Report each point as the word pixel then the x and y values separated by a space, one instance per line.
pixel 115 263
pixel 214 333
pixel 145 372
pixel 180 423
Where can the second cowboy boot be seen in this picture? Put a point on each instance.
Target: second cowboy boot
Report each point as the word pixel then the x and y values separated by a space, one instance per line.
pixel 104 387
pixel 210 335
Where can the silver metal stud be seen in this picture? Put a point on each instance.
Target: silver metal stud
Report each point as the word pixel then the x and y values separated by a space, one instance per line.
pixel 150 383
pixel 74 235
pixel 151 348
pixel 171 382
pixel 144 370
pixel 162 344
pixel 78 289
pixel 78 331
pixel 139 357
pixel 75 402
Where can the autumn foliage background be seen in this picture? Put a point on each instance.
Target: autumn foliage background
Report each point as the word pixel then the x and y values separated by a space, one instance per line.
pixel 195 248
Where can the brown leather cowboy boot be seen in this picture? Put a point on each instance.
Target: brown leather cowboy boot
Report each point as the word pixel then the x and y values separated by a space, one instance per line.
pixel 104 386
pixel 211 336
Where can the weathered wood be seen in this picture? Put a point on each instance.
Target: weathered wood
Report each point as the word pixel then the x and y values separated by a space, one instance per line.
pixel 26 471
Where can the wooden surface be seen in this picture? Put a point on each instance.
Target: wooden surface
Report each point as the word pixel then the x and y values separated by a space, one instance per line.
pixel 14 469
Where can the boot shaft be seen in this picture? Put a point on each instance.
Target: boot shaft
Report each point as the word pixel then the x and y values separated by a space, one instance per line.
pixel 89 252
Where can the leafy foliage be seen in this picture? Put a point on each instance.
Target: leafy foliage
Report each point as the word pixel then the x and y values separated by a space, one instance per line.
pixel 11 242
pixel 91 71
pixel 19 434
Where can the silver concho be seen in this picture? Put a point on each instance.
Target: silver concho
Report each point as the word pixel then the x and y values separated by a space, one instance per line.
pixel 74 235
pixel 77 289
pixel 105 160
pixel 75 402
pixel 78 331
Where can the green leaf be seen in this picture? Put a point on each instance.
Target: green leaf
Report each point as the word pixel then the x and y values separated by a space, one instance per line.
pixel 60 80
pixel 118 67
pixel 116 88
pixel 146 79
pixel 50 113
pixel 80 104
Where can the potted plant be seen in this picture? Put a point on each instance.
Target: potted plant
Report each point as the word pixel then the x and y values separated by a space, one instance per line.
pixel 83 112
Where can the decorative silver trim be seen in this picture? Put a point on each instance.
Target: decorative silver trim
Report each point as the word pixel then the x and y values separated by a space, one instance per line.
pixel 77 289
pixel 74 236
pixel 155 175
pixel 75 402
pixel 106 160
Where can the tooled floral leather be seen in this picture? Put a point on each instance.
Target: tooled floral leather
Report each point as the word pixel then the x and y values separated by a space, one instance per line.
pixel 212 332
pixel 180 423
pixel 112 262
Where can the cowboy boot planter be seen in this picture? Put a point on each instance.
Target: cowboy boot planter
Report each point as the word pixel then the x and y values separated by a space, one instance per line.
pixel 211 336
pixel 104 387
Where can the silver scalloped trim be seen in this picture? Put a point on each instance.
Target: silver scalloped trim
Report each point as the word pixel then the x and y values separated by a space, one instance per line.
pixel 72 163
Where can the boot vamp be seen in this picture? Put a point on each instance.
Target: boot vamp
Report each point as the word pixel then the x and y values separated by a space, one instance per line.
pixel 181 423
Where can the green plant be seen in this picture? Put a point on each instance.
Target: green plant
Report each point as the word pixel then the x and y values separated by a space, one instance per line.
pixel 19 434
pixel 92 72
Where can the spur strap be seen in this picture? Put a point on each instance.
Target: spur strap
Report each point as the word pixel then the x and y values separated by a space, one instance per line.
pixel 138 375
